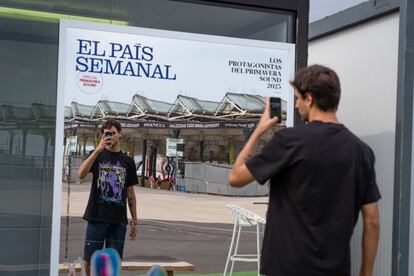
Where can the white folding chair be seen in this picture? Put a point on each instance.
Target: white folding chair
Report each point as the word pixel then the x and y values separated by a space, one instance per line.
pixel 243 218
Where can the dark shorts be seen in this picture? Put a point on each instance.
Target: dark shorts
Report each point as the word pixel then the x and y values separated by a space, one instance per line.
pixel 99 234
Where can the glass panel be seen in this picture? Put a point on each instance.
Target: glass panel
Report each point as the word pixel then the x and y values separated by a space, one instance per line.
pixel 28 100
pixel 208 19
pixel 189 103
pixel 15 113
pixel 159 14
pixel 4 142
pixel 68 112
pixel 209 106
pixel 247 102
pixel 158 106
pixel 84 110
pixel 139 101
pixel 28 55
pixel 44 112
pixel 119 107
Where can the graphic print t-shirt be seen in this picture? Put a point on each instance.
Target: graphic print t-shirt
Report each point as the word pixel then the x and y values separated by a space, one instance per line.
pixel 112 173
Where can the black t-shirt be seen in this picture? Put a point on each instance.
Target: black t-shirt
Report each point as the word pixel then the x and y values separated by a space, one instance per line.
pixel 112 173
pixel 320 176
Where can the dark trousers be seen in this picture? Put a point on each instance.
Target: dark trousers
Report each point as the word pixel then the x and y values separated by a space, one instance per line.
pixel 99 234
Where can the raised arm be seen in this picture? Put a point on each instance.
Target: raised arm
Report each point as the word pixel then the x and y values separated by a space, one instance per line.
pixel 370 238
pixel 86 165
pixel 240 174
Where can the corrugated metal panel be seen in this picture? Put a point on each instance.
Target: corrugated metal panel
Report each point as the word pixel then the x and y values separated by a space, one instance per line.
pixel 366 59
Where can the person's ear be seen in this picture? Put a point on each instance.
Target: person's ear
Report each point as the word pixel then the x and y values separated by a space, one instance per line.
pixel 120 136
pixel 309 99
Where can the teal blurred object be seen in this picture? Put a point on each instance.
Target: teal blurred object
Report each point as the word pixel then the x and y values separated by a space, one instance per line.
pixel 105 262
pixel 157 270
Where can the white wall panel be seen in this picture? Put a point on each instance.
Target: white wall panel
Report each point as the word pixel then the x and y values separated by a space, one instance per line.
pixel 365 58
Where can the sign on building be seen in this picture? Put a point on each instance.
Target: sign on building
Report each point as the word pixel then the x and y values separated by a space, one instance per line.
pixel 171 150
pixel 71 144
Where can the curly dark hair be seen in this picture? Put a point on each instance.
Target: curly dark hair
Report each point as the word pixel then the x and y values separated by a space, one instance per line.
pixel 111 123
pixel 322 83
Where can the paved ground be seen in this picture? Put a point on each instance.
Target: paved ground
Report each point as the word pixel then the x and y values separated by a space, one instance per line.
pixel 195 228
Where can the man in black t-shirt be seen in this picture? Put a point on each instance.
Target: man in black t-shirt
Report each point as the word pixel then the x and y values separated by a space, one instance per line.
pixel 321 176
pixel 114 175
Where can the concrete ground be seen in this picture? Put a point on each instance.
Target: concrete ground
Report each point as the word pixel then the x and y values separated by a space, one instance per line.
pixel 188 227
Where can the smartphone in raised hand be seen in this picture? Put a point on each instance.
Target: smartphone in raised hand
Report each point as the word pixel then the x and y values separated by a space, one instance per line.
pixel 276 108
pixel 108 134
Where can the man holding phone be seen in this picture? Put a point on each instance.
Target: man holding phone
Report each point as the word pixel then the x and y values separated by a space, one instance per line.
pixel 114 175
pixel 321 176
pixel 275 107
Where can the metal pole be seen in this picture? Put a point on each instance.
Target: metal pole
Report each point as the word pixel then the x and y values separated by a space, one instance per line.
pixel 11 135
pixel 154 162
pixel 201 151
pixel 150 160
pixel 176 168
pixel 68 181
pixel 24 142
pixel 84 145
pixel 144 153
pixel 403 145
